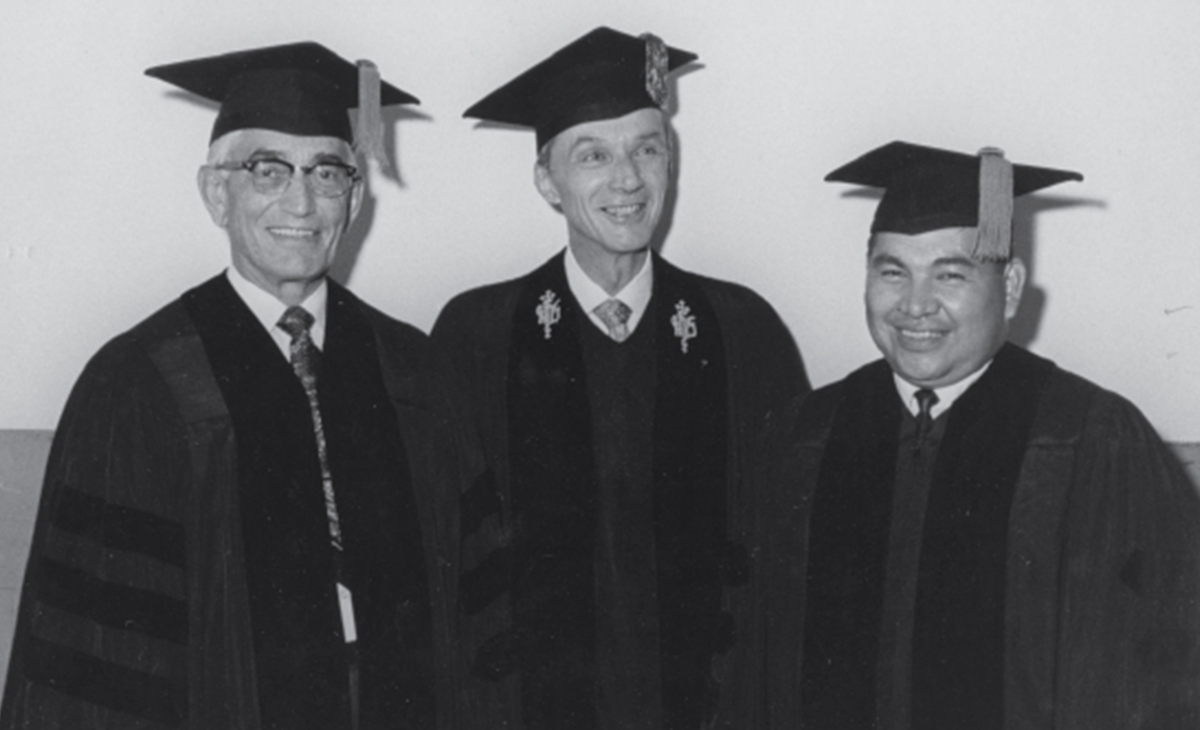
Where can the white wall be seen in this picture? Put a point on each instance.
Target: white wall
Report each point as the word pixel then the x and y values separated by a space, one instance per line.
pixel 100 222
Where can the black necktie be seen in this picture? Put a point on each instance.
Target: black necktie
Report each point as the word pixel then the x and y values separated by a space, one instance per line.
pixel 926 399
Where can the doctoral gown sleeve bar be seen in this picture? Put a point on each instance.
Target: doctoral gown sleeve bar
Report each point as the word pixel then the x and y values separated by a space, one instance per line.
pixel 103 622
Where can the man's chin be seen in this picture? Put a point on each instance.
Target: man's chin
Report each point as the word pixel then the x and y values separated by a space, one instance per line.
pixel 921 374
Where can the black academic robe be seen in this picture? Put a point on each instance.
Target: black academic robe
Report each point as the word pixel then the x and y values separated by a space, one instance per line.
pixel 531 535
pixel 181 573
pixel 1058 578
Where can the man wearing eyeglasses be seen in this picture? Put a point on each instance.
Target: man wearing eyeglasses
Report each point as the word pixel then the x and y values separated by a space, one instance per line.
pixel 246 519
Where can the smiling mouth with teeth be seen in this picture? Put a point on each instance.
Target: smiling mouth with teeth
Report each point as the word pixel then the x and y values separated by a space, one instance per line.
pixel 293 232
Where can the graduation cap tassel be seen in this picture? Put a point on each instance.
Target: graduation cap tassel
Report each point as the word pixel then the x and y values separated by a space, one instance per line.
pixel 368 136
pixel 657 67
pixel 995 206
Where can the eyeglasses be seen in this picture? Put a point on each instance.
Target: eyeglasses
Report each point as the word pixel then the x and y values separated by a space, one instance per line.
pixel 271 176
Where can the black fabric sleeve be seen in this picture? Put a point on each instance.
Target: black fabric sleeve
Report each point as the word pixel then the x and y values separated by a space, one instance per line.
pixel 102 627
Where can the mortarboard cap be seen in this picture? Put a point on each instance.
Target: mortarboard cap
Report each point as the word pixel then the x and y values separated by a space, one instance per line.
pixel 303 89
pixel 927 189
pixel 603 75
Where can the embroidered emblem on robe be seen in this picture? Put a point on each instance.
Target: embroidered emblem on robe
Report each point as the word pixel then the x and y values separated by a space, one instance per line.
pixel 684 323
pixel 549 312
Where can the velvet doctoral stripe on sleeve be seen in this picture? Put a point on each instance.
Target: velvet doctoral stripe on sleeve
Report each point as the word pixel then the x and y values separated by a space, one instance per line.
pixel 473 330
pixel 141 616
pixel 103 629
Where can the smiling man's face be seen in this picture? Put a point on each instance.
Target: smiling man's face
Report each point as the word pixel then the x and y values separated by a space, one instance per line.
pixel 610 179
pixel 285 242
pixel 935 312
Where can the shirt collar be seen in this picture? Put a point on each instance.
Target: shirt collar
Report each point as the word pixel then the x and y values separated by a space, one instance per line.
pixel 946 394
pixel 589 294
pixel 267 309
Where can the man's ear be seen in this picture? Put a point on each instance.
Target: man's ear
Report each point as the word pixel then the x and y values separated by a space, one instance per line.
pixel 545 184
pixel 357 191
pixel 1014 286
pixel 214 191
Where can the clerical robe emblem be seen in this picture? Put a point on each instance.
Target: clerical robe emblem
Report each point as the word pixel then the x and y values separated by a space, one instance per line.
pixel 549 312
pixel 684 323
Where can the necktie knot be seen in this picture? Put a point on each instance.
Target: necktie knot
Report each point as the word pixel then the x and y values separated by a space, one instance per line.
pixel 926 400
pixel 614 313
pixel 296 321
pixel 305 358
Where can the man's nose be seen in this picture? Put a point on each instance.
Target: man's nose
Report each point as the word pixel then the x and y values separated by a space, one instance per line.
pixel 919 299
pixel 626 175
pixel 298 197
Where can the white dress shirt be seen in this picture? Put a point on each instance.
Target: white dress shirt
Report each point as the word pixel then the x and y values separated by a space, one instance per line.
pixel 267 310
pixel 589 294
pixel 946 394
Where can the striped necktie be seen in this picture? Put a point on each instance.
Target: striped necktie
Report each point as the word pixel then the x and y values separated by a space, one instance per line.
pixel 306 362
pixel 615 315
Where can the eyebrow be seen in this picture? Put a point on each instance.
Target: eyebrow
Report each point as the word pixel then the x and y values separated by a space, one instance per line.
pixel 263 153
pixel 592 139
pixel 581 141
pixel 956 261
pixel 887 259
pixel 652 137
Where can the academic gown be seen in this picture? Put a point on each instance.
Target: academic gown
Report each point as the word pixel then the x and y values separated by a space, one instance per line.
pixel 565 469
pixel 181 573
pixel 1057 583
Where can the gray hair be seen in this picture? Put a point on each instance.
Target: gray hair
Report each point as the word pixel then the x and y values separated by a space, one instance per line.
pixel 219 150
pixel 543 153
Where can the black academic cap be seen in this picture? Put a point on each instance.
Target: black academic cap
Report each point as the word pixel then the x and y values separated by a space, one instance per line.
pixel 603 75
pixel 927 189
pixel 303 89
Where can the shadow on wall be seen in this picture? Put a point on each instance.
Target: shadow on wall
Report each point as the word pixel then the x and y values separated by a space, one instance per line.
pixel 1024 327
pixel 352 243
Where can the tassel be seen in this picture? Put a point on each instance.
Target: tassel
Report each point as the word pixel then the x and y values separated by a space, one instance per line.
pixel 657 67
pixel 368 134
pixel 994 242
